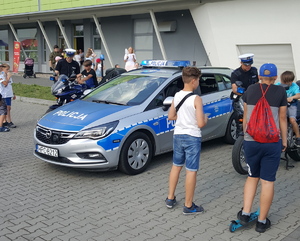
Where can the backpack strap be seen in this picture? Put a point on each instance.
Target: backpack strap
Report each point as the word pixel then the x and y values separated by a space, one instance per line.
pixel 181 102
pixel 262 91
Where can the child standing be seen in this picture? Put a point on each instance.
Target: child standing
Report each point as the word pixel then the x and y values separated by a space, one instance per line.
pixel 6 91
pixel 187 139
pixel 263 158
pixel 293 93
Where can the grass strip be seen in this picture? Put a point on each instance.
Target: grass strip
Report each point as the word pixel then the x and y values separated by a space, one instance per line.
pixel 33 91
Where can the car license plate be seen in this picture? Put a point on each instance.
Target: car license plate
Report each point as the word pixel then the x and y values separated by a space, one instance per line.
pixel 47 151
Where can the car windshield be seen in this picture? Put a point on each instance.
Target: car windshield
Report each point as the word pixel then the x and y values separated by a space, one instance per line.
pixel 126 90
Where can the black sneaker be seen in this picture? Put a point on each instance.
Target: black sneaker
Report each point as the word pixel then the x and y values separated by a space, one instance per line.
pixel 194 209
pixel 261 227
pixel 11 125
pixel 170 203
pixel 5 123
pixel 244 219
pixel 297 142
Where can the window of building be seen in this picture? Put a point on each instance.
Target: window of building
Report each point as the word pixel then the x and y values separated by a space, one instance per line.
pixel 78 37
pixel 61 41
pixel 97 39
pixel 143 38
pixel 4 53
pixel 28 39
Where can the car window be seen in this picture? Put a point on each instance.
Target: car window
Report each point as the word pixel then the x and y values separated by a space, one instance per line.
pixel 221 83
pixel 174 87
pixel 208 84
pixel 227 82
pixel 126 90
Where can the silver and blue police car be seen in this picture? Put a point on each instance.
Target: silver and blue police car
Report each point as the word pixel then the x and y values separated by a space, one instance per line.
pixel 123 123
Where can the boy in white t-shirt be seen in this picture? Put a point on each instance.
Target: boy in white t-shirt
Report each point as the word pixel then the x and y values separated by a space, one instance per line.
pixel 187 139
pixel 6 91
pixel 3 108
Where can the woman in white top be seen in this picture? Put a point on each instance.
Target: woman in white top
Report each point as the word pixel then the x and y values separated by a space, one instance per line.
pixel 129 59
pixel 90 55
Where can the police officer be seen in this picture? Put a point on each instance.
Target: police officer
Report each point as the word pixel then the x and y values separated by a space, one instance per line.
pixel 247 75
pixel 67 66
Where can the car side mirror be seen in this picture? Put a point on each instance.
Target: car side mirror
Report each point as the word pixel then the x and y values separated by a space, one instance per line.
pixel 167 103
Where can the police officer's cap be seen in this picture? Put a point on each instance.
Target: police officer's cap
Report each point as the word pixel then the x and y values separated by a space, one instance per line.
pixel 70 52
pixel 246 59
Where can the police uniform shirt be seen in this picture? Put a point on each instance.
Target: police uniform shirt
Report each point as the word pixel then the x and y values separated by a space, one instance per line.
pixel 67 68
pixel 246 77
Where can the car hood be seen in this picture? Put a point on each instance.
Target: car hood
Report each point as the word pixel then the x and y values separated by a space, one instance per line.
pixel 80 115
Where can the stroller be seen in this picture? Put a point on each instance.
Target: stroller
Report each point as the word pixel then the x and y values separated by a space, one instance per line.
pixel 28 70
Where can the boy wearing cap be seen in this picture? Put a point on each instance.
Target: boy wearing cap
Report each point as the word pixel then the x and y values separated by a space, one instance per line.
pixel 263 158
pixel 67 66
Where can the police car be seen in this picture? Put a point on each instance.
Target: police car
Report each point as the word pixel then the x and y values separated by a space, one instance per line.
pixel 123 123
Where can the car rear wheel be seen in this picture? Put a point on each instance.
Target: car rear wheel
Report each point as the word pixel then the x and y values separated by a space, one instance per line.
pixel 230 135
pixel 136 154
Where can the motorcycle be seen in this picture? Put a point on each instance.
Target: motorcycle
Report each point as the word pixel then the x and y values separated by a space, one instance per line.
pixel 238 107
pixel 66 89
pixel 292 151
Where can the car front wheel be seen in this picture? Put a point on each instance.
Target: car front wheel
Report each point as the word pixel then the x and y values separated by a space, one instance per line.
pixel 136 154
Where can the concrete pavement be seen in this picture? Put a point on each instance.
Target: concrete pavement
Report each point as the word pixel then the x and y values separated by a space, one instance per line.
pixel 39 201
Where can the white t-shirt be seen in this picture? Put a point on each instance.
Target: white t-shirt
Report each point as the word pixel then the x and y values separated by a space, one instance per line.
pixel 186 123
pixel 6 91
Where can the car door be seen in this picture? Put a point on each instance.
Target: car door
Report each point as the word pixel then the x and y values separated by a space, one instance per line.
pixel 216 103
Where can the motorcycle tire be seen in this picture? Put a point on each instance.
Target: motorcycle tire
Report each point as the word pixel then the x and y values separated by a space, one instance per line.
pixel 295 154
pixel 238 156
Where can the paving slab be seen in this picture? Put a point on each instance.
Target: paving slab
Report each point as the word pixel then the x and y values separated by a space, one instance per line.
pixel 40 201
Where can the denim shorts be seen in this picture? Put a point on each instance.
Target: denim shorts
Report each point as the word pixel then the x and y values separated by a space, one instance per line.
pixel 3 109
pixel 7 101
pixel 292 111
pixel 186 150
pixel 263 159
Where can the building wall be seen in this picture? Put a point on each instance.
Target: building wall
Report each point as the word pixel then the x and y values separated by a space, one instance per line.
pixel 185 43
pixel 9 7
pixel 224 26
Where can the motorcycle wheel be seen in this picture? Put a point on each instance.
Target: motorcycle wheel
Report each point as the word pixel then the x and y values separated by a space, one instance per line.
pixel 295 154
pixel 238 156
pixel 293 151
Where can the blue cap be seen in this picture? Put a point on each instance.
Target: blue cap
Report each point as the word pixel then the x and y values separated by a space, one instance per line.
pixel 246 59
pixel 268 70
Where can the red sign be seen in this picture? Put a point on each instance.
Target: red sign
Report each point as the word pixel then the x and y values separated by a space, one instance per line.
pixel 16 56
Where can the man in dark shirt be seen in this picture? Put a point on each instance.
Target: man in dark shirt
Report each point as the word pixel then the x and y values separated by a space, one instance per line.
pixel 247 75
pixel 52 56
pixel 67 66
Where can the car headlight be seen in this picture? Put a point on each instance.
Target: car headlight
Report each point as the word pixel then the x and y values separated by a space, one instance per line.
pixel 97 132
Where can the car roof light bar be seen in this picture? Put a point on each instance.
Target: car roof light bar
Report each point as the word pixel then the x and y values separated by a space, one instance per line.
pixel 165 63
